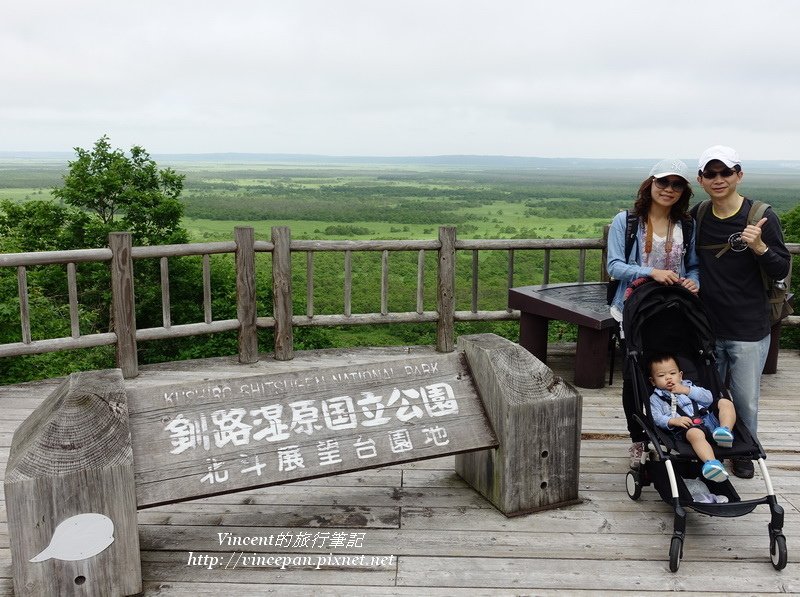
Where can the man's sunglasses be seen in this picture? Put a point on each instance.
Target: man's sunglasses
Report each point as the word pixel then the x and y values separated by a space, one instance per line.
pixel 677 185
pixel 712 174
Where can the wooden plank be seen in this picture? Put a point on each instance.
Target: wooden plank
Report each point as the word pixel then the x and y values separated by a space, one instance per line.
pixel 182 250
pixel 348 283
pixel 52 257
pixel 123 303
pixel 645 520
pixel 224 435
pixel 194 589
pixel 24 310
pixel 582 548
pixel 266 568
pixel 309 495
pixel 207 315
pixel 72 292
pixel 165 302
pixel 446 290
pixel 474 293
pixel 420 281
pixel 57 344
pixel 310 284
pixel 246 295
pixel 385 283
pixel 604 575
pixel 282 292
pixel 510 272
pixel 288 515
pixel 546 267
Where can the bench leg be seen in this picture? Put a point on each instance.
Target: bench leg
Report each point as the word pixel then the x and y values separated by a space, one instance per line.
pixel 533 334
pixel 591 357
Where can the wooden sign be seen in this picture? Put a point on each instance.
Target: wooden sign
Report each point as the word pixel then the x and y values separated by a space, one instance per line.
pixel 225 435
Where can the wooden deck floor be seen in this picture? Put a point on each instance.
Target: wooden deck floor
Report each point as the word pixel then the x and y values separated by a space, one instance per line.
pixel 422 531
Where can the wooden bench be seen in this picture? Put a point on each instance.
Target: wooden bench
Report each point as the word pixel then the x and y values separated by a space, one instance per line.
pixel 99 448
pixel 582 303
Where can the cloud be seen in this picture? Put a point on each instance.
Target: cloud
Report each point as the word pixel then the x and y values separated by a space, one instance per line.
pixel 621 79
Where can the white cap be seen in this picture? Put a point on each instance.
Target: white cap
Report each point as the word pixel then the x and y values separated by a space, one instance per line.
pixel 670 166
pixel 726 155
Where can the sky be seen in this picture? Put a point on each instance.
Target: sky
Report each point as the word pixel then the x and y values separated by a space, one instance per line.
pixel 562 78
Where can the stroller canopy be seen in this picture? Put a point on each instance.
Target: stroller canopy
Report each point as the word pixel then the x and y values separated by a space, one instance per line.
pixel 668 319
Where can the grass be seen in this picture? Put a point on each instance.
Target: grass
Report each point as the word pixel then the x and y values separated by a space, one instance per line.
pixel 500 219
pixel 24 194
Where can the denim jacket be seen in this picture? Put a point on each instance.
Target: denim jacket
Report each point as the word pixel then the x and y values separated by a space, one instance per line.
pixel 627 271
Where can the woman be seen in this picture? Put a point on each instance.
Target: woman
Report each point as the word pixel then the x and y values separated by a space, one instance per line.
pixel 660 251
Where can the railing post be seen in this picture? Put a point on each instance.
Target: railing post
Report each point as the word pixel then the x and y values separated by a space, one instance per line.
pixel 282 292
pixel 123 304
pixel 246 294
pixel 446 290
pixel 604 255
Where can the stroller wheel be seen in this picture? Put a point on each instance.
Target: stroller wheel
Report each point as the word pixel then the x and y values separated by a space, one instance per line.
pixel 675 553
pixel 633 485
pixel 777 552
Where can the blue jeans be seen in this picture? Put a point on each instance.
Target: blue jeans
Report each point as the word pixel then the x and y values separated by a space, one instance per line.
pixel 744 362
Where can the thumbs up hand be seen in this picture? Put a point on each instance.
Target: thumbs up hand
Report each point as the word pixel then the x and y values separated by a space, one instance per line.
pixel 752 236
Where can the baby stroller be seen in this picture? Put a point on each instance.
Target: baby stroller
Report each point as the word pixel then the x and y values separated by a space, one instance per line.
pixel 670 319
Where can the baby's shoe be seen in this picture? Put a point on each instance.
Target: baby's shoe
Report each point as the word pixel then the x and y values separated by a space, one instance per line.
pixel 723 437
pixel 714 471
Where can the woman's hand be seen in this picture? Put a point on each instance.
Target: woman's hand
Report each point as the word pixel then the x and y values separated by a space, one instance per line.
pixel 665 276
pixel 689 285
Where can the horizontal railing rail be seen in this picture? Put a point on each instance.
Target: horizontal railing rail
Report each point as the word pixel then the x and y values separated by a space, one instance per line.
pixel 124 335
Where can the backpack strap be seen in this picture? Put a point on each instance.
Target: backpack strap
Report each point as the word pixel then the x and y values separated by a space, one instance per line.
pixel 631 230
pixel 687 227
pixel 756 212
pixel 702 209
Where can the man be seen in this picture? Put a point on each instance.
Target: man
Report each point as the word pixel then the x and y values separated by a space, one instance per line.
pixel 731 254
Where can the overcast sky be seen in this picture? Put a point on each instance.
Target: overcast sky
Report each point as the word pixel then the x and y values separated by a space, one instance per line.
pixel 563 78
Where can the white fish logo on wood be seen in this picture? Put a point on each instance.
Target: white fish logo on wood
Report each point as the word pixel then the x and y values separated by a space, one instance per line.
pixel 78 537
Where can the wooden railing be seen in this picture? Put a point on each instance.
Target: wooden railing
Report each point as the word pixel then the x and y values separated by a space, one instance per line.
pixel 120 254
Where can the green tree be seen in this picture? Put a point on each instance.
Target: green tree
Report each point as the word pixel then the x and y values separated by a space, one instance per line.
pixel 125 193
pixel 791 225
pixel 104 190
pixel 41 226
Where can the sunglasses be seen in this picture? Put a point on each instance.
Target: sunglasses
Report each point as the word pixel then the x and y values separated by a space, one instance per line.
pixel 712 174
pixel 677 185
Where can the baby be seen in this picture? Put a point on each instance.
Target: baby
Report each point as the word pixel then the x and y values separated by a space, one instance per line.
pixel 682 407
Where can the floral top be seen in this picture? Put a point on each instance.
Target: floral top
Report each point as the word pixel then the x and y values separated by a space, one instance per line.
pixel 658 257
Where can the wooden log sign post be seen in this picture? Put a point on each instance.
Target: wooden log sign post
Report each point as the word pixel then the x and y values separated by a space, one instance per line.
pixel 72 489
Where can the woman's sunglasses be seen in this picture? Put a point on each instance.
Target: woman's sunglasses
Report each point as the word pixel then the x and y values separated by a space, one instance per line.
pixel 677 185
pixel 712 174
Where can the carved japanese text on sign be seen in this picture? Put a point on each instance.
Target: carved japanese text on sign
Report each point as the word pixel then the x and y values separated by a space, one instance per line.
pixel 236 433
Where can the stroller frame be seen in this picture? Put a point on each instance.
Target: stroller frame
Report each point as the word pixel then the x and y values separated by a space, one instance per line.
pixel 670 460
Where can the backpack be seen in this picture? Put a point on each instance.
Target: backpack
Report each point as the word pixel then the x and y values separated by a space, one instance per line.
pixel 631 230
pixel 776 290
